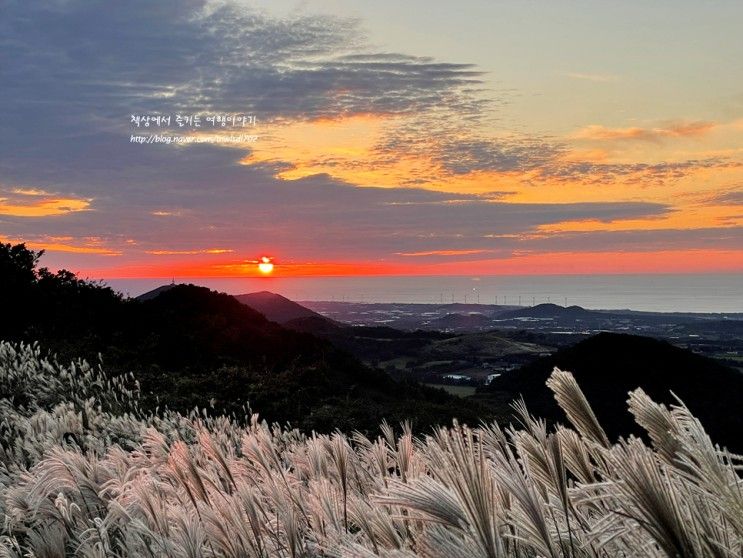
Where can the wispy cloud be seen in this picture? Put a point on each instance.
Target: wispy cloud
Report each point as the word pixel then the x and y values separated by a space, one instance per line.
pixel 598 78
pixel 441 253
pixel 731 197
pixel 25 202
pixel 658 174
pixel 166 213
pixel 188 252
pixel 65 244
pixel 669 130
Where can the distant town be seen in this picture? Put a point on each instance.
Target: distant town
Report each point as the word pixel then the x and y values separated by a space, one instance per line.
pixel 463 346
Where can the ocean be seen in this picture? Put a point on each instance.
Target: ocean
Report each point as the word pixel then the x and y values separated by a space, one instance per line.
pixel 655 293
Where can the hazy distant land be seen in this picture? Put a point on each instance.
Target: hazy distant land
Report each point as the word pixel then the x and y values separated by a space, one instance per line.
pixel 651 292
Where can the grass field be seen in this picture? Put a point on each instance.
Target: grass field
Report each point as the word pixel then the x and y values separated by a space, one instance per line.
pixel 85 472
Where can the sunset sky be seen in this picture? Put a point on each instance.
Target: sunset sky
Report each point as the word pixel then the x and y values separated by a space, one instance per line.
pixel 401 138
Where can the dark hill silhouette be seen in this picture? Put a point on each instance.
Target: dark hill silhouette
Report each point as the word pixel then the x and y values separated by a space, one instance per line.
pixel 460 321
pixel 609 365
pixel 547 310
pixel 191 325
pixel 226 352
pixel 317 325
pixel 277 308
pixel 149 295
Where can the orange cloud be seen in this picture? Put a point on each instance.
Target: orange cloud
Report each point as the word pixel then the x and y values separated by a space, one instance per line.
pixel 379 150
pixel 679 129
pixel 342 147
pixel 188 252
pixel 29 192
pixel 691 217
pixel 62 244
pixel 441 253
pixel 27 202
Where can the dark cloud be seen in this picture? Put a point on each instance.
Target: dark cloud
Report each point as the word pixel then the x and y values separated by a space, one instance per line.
pixel 629 173
pixel 74 70
pixel 734 197
pixel 97 59
pixel 667 130
pixel 513 155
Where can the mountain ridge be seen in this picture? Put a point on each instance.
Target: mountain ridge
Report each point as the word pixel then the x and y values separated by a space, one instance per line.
pixel 609 365
pixel 276 307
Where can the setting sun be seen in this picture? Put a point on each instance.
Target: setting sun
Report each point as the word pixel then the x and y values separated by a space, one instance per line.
pixel 265 265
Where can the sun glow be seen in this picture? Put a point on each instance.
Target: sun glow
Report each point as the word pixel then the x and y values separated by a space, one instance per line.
pixel 265 265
